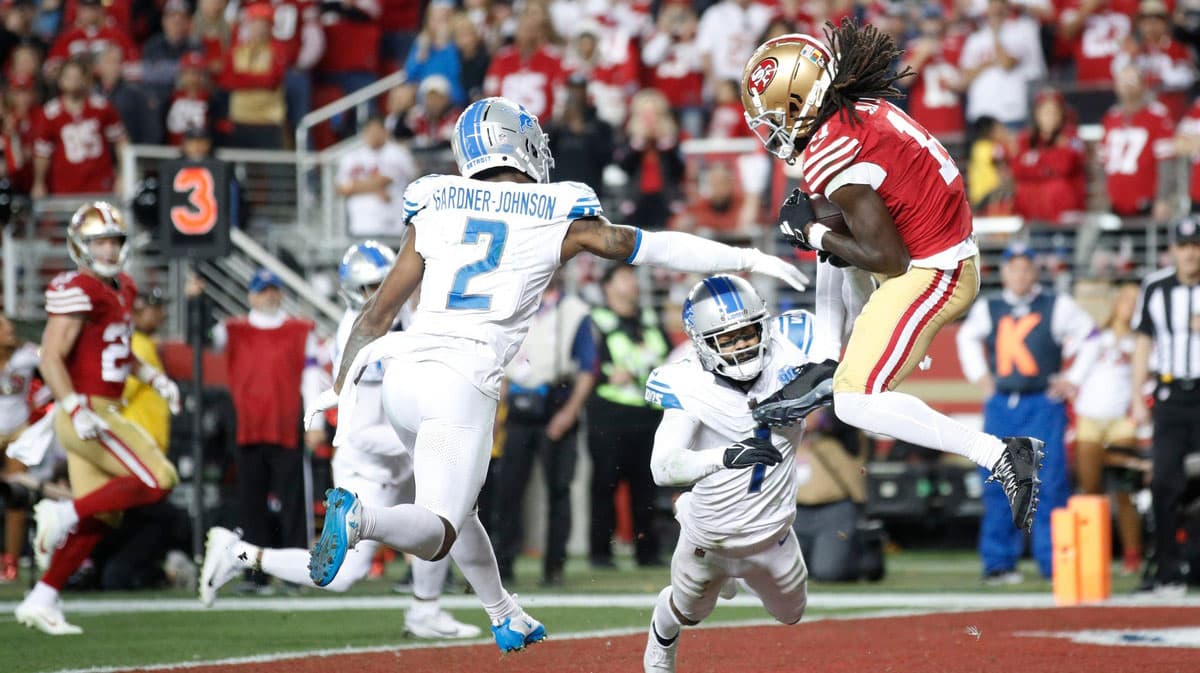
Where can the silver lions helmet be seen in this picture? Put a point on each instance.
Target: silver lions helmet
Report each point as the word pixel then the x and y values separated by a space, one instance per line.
pixel 363 267
pixel 495 133
pixel 715 314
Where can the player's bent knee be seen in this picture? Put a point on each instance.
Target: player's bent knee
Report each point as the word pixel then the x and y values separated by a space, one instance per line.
pixel 166 477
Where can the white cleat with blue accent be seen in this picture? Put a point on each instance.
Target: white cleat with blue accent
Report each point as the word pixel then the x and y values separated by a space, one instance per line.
pixel 342 530
pixel 516 631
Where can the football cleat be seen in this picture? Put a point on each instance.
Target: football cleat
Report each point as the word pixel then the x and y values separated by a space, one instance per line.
pixel 437 624
pixel 660 653
pixel 220 562
pixel 48 619
pixel 1017 472
pixel 343 526
pixel 811 389
pixel 52 530
pixel 515 632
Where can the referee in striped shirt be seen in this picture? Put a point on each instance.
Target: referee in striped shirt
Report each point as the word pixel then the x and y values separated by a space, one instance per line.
pixel 1167 322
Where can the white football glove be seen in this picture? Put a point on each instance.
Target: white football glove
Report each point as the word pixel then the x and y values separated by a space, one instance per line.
pixel 770 265
pixel 165 387
pixel 328 399
pixel 88 425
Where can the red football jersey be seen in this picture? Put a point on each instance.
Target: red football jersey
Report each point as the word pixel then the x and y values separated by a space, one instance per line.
pixel 1132 147
pixel 290 16
pixel 910 170
pixel 185 111
pixel 101 359
pixel 1190 125
pixel 351 46
pixel 77 145
pixel 1049 180
pixel 1101 37
pixel 934 101
pixel 530 82
pixel 78 41
pixel 119 12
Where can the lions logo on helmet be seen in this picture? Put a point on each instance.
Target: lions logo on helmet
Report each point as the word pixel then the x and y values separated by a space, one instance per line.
pixel 497 133
pixel 783 87
pixel 93 221
pixel 719 306
pixel 363 268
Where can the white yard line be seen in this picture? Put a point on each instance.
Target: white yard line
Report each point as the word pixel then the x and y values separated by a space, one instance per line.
pixel 820 601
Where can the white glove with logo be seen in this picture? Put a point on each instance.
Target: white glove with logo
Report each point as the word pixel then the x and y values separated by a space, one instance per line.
pixel 88 425
pixel 770 265
pixel 326 400
pixel 165 387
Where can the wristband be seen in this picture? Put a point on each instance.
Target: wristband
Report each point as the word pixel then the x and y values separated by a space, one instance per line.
pixel 816 232
pixel 72 402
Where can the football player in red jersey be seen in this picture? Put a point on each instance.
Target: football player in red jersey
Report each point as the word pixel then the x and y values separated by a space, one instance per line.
pixel 909 224
pixel 112 463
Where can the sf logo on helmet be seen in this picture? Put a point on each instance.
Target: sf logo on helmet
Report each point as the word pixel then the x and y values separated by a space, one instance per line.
pixel 763 75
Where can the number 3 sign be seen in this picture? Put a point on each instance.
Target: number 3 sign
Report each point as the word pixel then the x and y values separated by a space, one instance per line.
pixel 194 208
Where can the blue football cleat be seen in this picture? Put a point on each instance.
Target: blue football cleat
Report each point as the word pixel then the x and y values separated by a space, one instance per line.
pixel 517 631
pixel 343 526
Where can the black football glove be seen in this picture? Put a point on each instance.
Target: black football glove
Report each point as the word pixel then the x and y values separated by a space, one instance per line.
pixel 832 259
pixel 750 452
pixel 811 389
pixel 794 214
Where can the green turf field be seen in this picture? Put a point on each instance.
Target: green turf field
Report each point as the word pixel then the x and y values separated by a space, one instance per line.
pixel 174 631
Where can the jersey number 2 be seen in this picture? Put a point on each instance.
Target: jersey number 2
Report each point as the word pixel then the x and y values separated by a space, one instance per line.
pixel 497 232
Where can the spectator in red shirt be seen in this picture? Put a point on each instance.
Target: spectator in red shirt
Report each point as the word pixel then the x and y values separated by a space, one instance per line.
pixel 73 134
pixel 1166 64
pixel 676 65
pixel 189 105
pixel 1096 32
pixel 20 105
pixel 1137 145
pixel 351 58
pixel 935 99
pixel 530 71
pixel 1048 167
pixel 92 32
pixel 253 74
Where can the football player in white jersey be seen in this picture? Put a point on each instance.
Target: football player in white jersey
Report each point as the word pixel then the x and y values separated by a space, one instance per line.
pixel 373 463
pixel 483 246
pixel 736 522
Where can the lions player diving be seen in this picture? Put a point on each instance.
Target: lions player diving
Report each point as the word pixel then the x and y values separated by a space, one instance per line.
pixel 483 247
pixel 737 520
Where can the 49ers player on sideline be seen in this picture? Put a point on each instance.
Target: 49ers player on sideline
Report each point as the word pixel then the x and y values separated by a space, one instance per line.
pixel 113 464
pixel 909 223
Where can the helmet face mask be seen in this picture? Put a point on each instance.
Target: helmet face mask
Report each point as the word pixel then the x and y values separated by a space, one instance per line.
pixel 498 133
pixel 720 315
pixel 363 268
pixel 92 222
pixel 783 87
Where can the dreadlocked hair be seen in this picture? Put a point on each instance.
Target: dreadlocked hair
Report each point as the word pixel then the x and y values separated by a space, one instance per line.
pixel 863 57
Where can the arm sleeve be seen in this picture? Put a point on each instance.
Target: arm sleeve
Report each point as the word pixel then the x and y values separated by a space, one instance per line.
pixel 674 462
pixel 970 342
pixel 684 252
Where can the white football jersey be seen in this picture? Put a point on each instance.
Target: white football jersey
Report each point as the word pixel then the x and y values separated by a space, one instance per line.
pixel 15 378
pixel 738 508
pixel 490 249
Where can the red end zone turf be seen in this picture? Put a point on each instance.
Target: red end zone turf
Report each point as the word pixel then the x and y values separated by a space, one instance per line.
pixel 1010 641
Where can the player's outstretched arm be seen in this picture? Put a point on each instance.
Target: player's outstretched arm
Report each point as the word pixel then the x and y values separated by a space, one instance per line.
pixel 672 250
pixel 381 308
pixel 674 463
pixel 875 246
